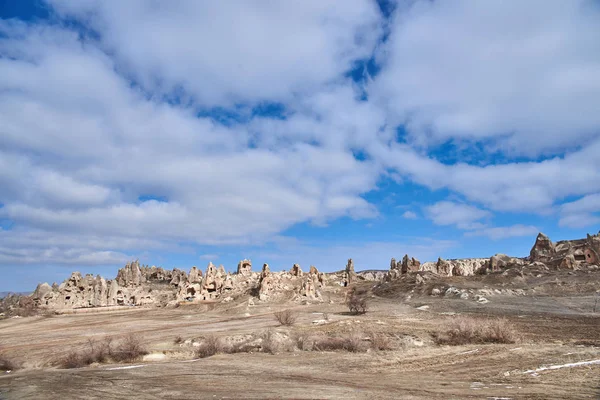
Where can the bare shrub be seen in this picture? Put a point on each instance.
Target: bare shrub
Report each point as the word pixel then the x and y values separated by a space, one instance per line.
pixel 303 341
pixel 269 342
pixel 8 364
pixel 93 352
pixel 468 330
pixel 329 343
pixel 286 317
pixel 129 349
pixel 500 331
pixel 242 347
pixel 357 301
pixel 178 340
pixel 209 347
pixel 380 342
pixel 352 342
pixel 73 360
pixel 326 316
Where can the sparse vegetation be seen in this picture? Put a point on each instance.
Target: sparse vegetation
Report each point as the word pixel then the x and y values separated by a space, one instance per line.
pixel 178 340
pixel 380 342
pixel 468 330
pixel 357 301
pixel 128 350
pixel 352 342
pixel 286 317
pixel 269 343
pixel 7 363
pixel 209 347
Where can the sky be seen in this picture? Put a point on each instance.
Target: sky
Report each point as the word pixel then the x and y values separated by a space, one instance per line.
pixel 310 132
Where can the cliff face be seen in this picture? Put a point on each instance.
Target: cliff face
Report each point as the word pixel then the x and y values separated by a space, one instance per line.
pixel 138 285
pixel 569 254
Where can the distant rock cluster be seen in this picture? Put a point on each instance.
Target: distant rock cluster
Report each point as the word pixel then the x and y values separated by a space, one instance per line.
pixel 566 254
pixel 140 285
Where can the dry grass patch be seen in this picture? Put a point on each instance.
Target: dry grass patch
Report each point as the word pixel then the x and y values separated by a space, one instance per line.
pixel 286 317
pixel 469 330
pixel 380 341
pixel 209 347
pixel 8 364
pixel 127 350
pixel 352 342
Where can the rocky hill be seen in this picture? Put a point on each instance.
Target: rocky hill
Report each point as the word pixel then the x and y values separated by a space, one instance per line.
pixel 141 285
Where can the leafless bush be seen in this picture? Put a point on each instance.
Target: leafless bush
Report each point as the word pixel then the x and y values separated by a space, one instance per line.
pixel 330 343
pixel 242 347
pixel 380 341
pixel 73 360
pixel 303 341
pixel 357 301
pixel 286 317
pixel 326 316
pixel 352 342
pixel 178 340
pixel 209 347
pixel 8 364
pixel 467 330
pixel 269 343
pixel 93 352
pixel 129 349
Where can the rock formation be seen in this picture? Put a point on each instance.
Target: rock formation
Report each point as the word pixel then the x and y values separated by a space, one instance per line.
pixel 409 264
pixel 349 275
pixel 244 267
pixel 296 270
pixel 543 250
pixel 139 285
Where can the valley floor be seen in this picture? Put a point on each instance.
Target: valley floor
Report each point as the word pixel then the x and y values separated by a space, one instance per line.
pixel 554 331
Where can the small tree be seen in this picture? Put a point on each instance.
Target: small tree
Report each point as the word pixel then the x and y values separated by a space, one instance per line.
pixel 286 317
pixel 357 301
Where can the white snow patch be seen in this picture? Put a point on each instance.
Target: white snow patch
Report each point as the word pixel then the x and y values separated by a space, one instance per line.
pixel 127 367
pixel 469 352
pixel 570 365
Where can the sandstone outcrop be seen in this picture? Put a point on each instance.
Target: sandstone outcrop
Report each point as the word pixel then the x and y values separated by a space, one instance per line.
pixel 349 275
pixel 543 250
pixel 296 270
pixel 244 267
pixel 141 285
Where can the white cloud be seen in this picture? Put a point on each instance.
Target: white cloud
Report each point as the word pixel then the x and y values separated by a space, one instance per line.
pixel 96 145
pixel 89 126
pixel 504 232
pixel 522 74
pixel 581 213
pixel 409 215
pixel 520 186
pixel 464 216
pixel 234 51
pixel 365 254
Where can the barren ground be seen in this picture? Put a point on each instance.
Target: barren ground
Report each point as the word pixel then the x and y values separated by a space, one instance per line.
pixel 555 330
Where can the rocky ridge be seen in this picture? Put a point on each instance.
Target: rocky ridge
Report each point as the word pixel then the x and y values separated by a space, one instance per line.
pixel 141 285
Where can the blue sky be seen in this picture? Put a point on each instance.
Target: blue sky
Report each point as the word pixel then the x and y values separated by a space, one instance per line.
pixel 292 132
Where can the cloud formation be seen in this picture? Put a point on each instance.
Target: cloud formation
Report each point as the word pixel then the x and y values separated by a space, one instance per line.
pixel 141 125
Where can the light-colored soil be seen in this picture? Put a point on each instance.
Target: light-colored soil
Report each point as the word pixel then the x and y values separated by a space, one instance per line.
pixel 553 330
